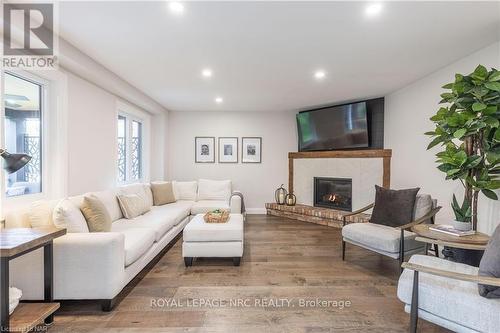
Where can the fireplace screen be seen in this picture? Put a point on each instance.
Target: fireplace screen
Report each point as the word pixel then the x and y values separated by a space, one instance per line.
pixel 335 193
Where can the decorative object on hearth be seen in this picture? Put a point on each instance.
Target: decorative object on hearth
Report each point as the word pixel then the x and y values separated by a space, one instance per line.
pixel 251 150
pixel 204 149
pixel 280 195
pixel 216 216
pixel 228 150
pixel 13 162
pixel 290 199
pixel 468 130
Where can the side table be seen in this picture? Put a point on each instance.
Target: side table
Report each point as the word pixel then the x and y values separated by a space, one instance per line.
pixel 16 242
pixel 472 245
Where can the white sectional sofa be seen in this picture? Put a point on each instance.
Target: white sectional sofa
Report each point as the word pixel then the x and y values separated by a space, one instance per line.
pixel 98 265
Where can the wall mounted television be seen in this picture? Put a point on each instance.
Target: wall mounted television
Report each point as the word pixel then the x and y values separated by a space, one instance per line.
pixel 346 126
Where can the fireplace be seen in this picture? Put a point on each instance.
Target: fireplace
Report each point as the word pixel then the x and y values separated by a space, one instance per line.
pixel 335 193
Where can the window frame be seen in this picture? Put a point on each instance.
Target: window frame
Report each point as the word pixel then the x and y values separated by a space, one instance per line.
pixel 132 114
pixel 44 138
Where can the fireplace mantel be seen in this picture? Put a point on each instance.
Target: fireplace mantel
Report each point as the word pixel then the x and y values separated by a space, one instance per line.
pixel 385 154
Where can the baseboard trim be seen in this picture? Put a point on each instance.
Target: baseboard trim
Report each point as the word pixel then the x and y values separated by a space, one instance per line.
pixel 255 211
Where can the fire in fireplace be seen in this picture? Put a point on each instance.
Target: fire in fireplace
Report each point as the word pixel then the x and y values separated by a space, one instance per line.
pixel 335 193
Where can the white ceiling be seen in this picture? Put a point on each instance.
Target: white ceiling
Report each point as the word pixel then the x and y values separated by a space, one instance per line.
pixel 263 54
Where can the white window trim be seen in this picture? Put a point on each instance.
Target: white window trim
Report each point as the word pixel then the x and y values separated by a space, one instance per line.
pixel 132 113
pixel 46 151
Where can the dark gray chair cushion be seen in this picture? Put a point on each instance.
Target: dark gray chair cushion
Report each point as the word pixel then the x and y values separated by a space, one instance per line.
pixel 393 207
pixel 490 265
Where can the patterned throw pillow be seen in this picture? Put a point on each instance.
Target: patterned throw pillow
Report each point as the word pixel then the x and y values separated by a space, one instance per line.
pixel 132 205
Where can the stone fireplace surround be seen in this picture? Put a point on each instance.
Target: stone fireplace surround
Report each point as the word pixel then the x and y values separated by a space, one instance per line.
pixel 366 168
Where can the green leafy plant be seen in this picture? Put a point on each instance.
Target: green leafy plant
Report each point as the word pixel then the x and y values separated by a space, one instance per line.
pixel 463 213
pixel 468 130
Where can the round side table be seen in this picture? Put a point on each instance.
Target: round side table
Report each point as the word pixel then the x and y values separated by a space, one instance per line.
pixel 466 249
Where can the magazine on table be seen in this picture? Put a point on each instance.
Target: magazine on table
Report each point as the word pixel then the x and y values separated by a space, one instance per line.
pixel 448 229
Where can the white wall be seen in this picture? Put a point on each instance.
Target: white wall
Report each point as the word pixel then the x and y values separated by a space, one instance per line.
pixel 407 113
pixel 257 181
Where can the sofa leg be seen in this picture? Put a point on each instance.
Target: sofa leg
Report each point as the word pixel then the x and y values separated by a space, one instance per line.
pixel 436 250
pixel 236 261
pixel 343 250
pixel 188 261
pixel 108 304
pixel 414 304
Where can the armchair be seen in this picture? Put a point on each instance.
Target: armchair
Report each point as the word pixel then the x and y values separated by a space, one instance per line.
pixel 446 293
pixel 394 242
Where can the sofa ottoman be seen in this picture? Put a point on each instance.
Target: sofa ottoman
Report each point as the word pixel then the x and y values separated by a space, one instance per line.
pixel 213 240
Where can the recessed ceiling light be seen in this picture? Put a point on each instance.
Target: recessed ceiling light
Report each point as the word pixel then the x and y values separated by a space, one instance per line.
pixel 319 75
pixel 373 9
pixel 176 7
pixel 207 72
pixel 219 100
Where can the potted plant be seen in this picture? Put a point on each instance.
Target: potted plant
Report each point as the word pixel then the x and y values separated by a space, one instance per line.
pixel 463 215
pixel 467 128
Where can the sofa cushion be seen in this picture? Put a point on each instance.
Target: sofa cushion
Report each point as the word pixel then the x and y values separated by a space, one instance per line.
pixel 393 207
pixel 456 301
pixel 185 190
pixel 160 219
pixel 199 231
pixel 204 206
pixel 67 215
pixel 40 213
pixel 214 189
pixel 379 237
pixel 163 193
pixel 110 201
pixel 96 214
pixel 132 205
pixel 137 242
pixel 490 265
pixel 141 190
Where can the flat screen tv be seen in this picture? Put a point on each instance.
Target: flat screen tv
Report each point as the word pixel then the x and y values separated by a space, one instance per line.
pixel 336 127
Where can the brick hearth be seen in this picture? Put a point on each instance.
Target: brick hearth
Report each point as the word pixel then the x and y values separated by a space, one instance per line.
pixel 323 216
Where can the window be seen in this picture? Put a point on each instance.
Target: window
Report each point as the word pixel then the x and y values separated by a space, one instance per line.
pixel 130 149
pixel 23 133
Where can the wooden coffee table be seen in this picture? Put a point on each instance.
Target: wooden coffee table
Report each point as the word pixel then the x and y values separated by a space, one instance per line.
pixel 477 241
pixel 17 242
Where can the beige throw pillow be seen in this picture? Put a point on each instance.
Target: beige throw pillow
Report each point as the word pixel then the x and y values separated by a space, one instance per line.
pixel 132 205
pixel 40 213
pixel 96 214
pixel 163 193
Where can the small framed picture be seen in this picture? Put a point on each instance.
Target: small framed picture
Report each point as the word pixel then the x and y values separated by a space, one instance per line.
pixel 228 150
pixel 204 149
pixel 251 150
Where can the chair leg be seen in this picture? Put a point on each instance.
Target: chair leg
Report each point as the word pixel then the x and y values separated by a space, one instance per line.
pixel 414 304
pixel 436 250
pixel 343 250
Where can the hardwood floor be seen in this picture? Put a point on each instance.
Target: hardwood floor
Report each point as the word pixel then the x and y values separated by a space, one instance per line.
pixel 285 260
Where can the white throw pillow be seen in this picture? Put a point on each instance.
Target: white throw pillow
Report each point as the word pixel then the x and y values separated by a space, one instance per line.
pixel 67 215
pixel 109 200
pixel 185 190
pixel 214 189
pixel 40 213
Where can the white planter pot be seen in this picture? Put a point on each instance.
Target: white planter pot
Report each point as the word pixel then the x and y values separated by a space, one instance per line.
pixel 462 226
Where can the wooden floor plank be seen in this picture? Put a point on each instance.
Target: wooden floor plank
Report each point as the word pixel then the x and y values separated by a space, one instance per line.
pixel 284 259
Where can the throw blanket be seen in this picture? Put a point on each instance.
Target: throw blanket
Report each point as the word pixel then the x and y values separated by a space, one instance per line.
pixel 239 194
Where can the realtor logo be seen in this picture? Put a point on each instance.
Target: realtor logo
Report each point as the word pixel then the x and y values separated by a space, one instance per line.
pixel 28 36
